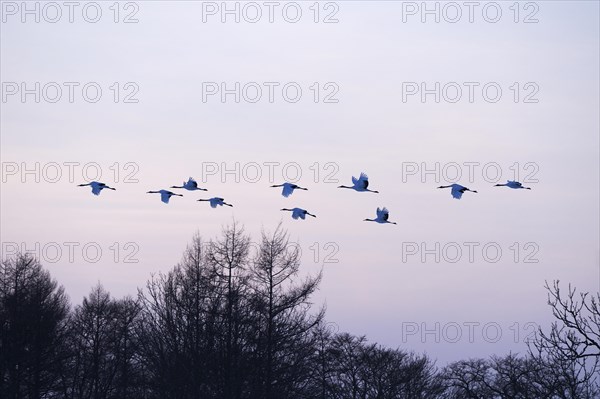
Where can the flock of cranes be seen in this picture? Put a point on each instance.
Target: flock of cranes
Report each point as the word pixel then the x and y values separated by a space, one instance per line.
pixel 361 185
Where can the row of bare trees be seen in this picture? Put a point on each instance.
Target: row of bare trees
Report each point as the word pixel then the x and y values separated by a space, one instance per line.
pixel 227 324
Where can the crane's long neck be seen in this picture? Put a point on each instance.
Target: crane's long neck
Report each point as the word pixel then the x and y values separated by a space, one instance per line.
pixel 345 187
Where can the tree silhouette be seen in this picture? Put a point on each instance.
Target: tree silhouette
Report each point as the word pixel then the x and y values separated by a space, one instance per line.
pixel 283 321
pixel 572 346
pixel 225 323
pixel 33 314
pixel 179 328
pixel 102 348
pixel 229 258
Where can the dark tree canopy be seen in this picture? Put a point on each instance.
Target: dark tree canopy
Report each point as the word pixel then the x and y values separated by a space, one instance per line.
pixel 230 322
pixel 33 315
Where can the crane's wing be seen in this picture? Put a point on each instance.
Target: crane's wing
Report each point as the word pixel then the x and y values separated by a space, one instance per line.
pixel 214 202
pixel 191 182
pixel 296 213
pixel 302 215
pixel 457 191
pixel 165 196
pixel 380 213
pixel 287 190
pixel 96 189
pixel 385 214
pixel 363 181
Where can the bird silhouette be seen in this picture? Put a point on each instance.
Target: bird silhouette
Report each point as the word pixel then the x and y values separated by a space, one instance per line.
pixel 288 188
pixel 299 213
pixel 216 201
pixel 97 187
pixel 513 184
pixel 165 195
pixel 360 184
pixel 457 190
pixel 382 217
pixel 190 185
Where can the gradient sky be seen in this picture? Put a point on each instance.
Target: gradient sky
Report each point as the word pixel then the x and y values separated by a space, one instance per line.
pixel 170 134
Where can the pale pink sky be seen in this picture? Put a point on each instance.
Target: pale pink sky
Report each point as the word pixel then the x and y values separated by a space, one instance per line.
pixel 171 134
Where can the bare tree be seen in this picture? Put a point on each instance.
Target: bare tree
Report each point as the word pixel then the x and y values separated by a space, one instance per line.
pixel 576 331
pixel 195 321
pixel 103 347
pixel 572 346
pixel 469 379
pixel 33 314
pixel 178 327
pixel 229 256
pixel 129 381
pixel 348 353
pixel 370 371
pixel 322 377
pixel 283 342
pixel 514 377
pixel 92 333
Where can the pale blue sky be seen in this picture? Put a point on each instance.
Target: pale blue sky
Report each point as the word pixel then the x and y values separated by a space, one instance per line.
pixel 368 54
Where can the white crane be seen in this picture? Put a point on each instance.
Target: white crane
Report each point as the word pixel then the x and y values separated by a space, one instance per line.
pixel 96 187
pixel 216 201
pixel 299 213
pixel 190 185
pixel 360 184
pixel 165 195
pixel 288 188
pixel 513 184
pixel 457 190
pixel 382 217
